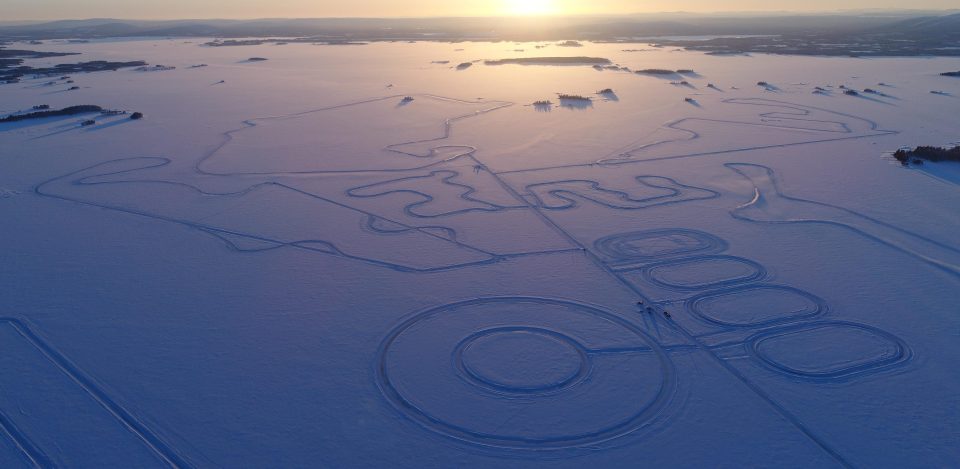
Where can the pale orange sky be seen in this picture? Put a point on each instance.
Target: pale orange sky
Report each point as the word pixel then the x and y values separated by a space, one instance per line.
pixel 180 9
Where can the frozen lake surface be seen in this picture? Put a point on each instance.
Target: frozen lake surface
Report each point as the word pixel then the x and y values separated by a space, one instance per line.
pixel 288 264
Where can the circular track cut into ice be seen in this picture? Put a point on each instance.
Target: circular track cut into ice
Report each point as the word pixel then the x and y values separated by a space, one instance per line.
pixel 577 374
pixel 756 305
pixel 659 244
pixel 829 350
pixel 521 360
pixel 701 273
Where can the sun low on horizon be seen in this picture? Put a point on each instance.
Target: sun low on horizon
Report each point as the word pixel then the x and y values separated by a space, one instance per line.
pixel 529 7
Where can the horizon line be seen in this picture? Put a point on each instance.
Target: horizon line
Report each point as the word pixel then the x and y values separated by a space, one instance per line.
pixel 852 11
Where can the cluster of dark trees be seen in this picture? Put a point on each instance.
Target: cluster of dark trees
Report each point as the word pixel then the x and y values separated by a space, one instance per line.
pixel 573 97
pixel 11 60
pixel 67 111
pixel 60 69
pixel 927 153
pixel 43 110
pixel 661 71
pixel 13 57
pixel 657 71
pixel 951 74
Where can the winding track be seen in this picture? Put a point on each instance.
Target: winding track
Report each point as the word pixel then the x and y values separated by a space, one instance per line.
pixel 627 156
pixel 770 205
pixel 468 152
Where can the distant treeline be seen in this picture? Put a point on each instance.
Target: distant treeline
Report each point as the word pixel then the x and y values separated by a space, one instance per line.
pixel 306 40
pixel 892 33
pixel 951 74
pixel 573 97
pixel 550 61
pixel 661 71
pixel 14 57
pixel 63 69
pixel 927 153
pixel 67 111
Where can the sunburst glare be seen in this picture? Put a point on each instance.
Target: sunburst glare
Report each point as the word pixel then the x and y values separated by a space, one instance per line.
pixel 529 7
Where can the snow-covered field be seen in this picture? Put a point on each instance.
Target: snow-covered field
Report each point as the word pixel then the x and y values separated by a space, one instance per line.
pixel 285 264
